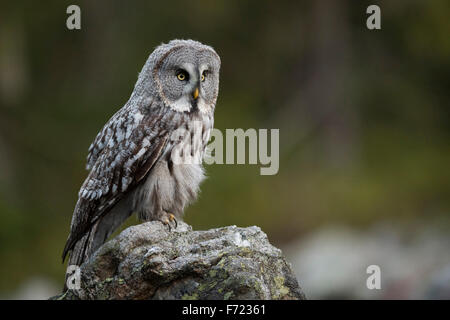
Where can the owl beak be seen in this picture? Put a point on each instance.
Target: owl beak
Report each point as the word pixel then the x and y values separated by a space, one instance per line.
pixel 195 94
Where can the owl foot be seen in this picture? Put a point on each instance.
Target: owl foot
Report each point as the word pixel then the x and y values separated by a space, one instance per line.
pixel 173 219
pixel 169 219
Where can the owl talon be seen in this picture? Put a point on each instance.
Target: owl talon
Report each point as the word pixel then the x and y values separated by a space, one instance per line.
pixel 168 219
pixel 165 221
pixel 172 218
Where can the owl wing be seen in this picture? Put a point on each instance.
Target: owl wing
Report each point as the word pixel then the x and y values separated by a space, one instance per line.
pixel 104 137
pixel 132 149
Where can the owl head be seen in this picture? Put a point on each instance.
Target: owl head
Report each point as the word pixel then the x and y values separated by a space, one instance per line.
pixel 184 74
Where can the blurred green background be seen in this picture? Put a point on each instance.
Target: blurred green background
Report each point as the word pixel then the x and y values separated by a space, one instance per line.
pixel 363 115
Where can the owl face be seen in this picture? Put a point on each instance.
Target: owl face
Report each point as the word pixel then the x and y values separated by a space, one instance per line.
pixel 188 78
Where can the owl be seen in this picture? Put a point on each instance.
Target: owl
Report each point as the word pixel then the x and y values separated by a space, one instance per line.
pixel 132 163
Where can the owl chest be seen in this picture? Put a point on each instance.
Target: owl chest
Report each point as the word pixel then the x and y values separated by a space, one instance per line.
pixel 188 143
pixel 175 179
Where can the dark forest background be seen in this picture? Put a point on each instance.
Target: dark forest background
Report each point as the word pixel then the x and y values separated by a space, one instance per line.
pixel 363 115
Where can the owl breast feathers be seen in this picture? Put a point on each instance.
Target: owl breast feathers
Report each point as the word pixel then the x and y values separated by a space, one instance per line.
pixel 141 161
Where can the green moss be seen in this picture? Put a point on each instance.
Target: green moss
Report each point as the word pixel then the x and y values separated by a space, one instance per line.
pixel 212 284
pixel 258 286
pixel 212 273
pixel 190 297
pixel 228 295
pixel 203 287
pixel 222 261
pixel 282 290
pixel 246 250
pixel 103 295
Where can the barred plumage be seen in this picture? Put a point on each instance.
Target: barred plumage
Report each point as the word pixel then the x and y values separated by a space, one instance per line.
pixel 131 161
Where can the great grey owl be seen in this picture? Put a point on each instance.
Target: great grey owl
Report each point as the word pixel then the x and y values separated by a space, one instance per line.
pixel 131 161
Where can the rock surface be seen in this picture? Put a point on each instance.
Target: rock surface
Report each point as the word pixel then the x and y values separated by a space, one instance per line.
pixel 149 262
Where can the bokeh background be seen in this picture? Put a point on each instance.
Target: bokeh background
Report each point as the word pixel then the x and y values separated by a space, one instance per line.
pixel 364 131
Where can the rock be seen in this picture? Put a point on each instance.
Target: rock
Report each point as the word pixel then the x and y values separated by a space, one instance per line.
pixel 149 262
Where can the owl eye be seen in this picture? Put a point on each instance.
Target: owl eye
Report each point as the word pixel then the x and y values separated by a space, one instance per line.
pixel 203 77
pixel 181 75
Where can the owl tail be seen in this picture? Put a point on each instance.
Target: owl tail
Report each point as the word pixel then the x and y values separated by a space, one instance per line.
pixel 80 252
pixel 85 247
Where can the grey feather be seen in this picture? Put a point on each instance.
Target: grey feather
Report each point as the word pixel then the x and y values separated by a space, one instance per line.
pixel 130 162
